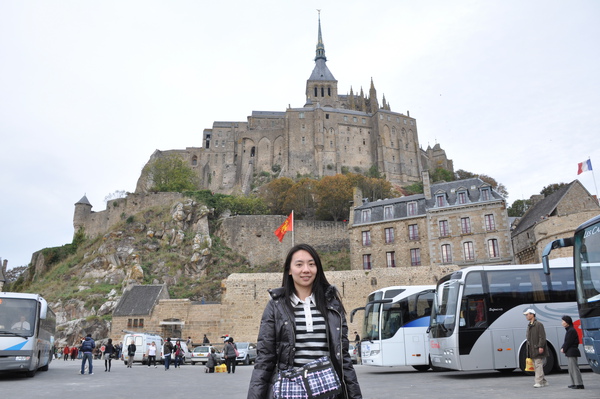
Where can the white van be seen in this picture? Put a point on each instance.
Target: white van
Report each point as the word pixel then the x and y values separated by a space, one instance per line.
pixel 142 341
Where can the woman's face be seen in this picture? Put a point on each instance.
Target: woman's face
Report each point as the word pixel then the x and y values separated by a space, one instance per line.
pixel 303 270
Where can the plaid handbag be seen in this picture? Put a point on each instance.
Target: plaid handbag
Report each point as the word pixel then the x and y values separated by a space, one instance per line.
pixel 314 380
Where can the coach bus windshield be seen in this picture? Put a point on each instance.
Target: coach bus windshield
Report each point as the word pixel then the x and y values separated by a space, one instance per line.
pixel 443 315
pixel 17 316
pixel 587 265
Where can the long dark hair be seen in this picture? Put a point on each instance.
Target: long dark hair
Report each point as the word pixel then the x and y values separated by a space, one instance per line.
pixel 320 284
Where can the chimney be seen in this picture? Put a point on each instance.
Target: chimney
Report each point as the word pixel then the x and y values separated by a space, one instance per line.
pixel 426 184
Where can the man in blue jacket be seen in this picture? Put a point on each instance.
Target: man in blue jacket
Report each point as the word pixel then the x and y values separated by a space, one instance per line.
pixel 87 347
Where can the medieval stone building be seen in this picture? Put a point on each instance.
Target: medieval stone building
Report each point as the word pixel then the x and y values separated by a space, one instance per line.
pixel 329 134
pixel 463 223
pixel 550 218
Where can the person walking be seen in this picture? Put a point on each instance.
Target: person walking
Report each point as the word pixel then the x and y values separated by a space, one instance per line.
pixel 205 340
pixel 109 353
pixel 537 348
pixel 571 350
pixel 178 355
pixel 304 320
pixel 151 354
pixel 74 352
pixel 167 350
pixel 87 348
pixel 66 352
pixel 230 354
pixel 131 348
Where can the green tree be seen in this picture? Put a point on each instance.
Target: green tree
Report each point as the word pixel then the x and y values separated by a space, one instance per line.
pixel 415 188
pixel 441 174
pixel 334 194
pixel 243 205
pixel 171 173
pixel 518 208
pixel 371 187
pixel 551 188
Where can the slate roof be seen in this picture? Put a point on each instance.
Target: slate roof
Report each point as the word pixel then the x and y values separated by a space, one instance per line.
pixel 140 300
pixel 547 206
pixel 450 191
pixel 84 201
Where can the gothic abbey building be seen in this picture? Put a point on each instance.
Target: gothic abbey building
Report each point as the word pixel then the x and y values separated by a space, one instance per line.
pixel 330 134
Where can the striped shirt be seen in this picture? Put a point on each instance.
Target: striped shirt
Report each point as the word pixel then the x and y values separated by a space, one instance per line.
pixel 311 331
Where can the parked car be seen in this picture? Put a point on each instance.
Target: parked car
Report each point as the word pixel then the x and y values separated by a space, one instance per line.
pixel 247 353
pixel 200 354
pixel 353 350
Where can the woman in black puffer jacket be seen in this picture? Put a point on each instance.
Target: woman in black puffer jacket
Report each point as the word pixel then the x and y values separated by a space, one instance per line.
pixel 303 320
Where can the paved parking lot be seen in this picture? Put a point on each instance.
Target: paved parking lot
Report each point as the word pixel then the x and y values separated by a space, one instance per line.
pixel 63 381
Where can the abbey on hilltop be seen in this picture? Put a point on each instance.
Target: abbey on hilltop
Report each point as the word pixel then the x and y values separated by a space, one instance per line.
pixel 330 134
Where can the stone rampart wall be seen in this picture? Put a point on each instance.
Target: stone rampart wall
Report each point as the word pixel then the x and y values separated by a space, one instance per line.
pixel 254 236
pixel 96 223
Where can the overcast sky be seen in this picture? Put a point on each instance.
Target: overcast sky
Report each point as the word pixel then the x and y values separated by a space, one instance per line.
pixel 89 89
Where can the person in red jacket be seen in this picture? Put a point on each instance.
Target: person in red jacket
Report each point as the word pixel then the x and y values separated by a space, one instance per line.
pixel 66 352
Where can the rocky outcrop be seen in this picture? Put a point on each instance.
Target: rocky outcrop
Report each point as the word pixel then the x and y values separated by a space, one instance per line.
pixel 128 254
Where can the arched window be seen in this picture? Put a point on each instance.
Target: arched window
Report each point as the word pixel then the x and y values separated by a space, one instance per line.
pixel 329 91
pixel 322 91
pixel 252 151
pixel 316 93
pixel 194 160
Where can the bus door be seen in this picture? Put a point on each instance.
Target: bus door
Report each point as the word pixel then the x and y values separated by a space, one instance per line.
pixel 504 350
pixel 416 322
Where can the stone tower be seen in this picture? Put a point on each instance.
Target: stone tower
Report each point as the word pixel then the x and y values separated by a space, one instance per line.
pixel 83 209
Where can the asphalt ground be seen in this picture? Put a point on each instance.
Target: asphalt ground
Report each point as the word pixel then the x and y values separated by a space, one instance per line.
pixel 63 381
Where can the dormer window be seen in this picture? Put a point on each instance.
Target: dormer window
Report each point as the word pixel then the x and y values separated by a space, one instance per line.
pixel 388 212
pixel 366 215
pixel 485 194
pixel 440 200
pixel 462 197
pixel 411 208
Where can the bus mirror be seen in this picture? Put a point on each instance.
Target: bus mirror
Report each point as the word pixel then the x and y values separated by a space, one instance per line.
pixel 353 312
pixel 43 308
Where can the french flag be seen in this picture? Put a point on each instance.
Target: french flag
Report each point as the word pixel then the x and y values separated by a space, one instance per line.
pixel 584 166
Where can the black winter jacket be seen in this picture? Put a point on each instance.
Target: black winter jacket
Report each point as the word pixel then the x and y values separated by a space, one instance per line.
pixel 276 346
pixel 571 345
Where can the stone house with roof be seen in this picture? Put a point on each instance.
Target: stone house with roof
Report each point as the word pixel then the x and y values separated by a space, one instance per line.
pixel 463 222
pixel 555 216
pixel 149 308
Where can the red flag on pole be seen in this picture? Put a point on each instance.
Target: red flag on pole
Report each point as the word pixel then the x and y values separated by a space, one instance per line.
pixel 287 225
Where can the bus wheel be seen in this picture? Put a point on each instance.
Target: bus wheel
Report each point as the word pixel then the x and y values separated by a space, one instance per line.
pixel 45 368
pixel 422 367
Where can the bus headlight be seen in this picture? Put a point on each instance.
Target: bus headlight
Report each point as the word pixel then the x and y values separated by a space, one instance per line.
pixel 22 358
pixel 449 352
pixel 589 349
pixel 374 352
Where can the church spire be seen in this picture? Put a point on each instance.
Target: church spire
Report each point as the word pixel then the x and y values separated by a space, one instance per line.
pixel 320 46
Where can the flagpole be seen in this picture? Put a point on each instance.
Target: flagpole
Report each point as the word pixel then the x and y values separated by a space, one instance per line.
pixel 594 177
pixel 293 227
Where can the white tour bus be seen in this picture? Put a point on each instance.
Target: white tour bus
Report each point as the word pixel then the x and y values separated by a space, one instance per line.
pixel 395 327
pixel 27 330
pixel 477 322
